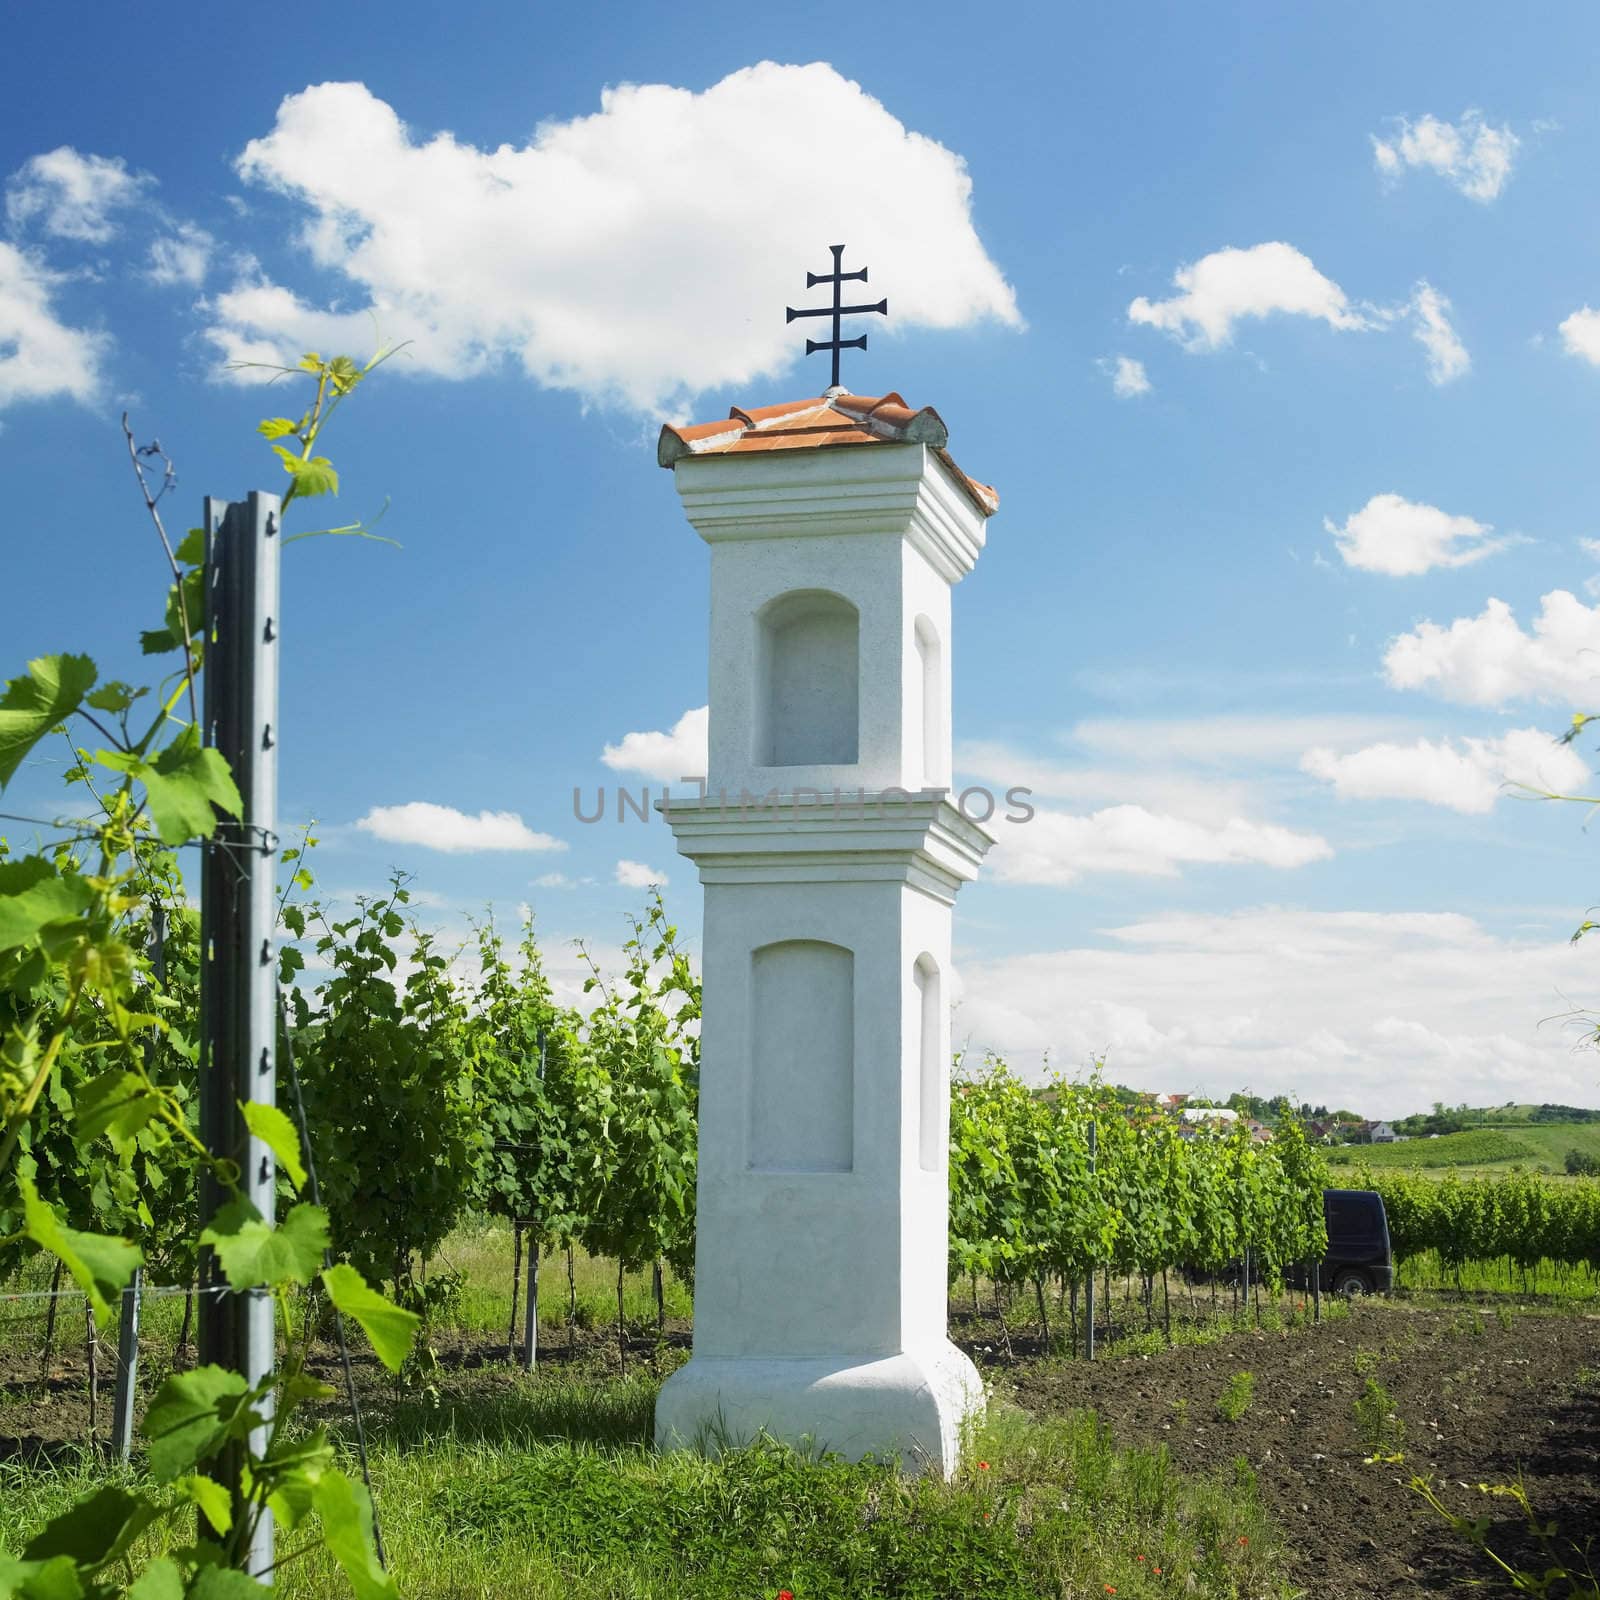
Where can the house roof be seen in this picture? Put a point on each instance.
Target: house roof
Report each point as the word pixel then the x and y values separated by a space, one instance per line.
pixel 832 420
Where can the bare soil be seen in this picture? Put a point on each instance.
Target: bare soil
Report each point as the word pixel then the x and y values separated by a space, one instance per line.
pixel 1480 1401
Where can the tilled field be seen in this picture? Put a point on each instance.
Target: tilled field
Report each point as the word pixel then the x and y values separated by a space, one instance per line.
pixel 1481 1401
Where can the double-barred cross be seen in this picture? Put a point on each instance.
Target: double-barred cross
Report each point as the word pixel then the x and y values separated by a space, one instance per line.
pixel 838 278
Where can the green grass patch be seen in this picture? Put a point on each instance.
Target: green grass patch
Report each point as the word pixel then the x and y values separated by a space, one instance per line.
pixel 1236 1396
pixel 1423 1270
pixel 539 1509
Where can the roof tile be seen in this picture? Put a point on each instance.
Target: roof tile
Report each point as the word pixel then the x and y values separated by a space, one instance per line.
pixel 833 419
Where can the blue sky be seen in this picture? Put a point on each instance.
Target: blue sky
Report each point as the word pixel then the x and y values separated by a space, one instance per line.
pixel 1269 326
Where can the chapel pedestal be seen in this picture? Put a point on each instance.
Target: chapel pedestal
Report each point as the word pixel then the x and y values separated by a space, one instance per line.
pixel 831 857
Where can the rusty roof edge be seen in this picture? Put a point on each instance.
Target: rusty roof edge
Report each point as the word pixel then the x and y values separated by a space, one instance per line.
pixel 672 447
pixel 982 495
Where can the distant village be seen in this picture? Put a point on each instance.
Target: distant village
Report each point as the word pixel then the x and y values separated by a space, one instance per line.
pixel 1337 1127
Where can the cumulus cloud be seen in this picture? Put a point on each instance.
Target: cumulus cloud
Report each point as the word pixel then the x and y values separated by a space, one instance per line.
pixel 1223 288
pixel 456 832
pixel 1488 660
pixel 1473 155
pixel 594 255
pixel 1404 538
pixel 680 753
pixel 181 256
pixel 1056 847
pixel 72 196
pixel 1128 377
pixel 1383 1011
pixel 41 356
pixel 1468 775
pixel 1432 329
pixel 636 875
pixel 1580 335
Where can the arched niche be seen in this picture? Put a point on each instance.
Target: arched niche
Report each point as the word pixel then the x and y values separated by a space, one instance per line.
pixel 808 705
pixel 932 1114
pixel 802 1057
pixel 930 704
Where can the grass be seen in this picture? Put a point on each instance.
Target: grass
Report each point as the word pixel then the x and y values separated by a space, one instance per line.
pixel 563 1498
pixel 1380 1429
pixel 1236 1396
pixel 1423 1270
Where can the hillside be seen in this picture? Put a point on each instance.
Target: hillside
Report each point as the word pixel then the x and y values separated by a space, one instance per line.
pixel 1533 1145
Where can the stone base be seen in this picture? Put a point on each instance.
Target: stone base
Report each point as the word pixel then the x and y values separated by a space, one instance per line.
pixel 916 1404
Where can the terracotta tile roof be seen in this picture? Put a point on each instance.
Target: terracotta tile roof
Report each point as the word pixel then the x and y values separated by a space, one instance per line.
pixel 835 418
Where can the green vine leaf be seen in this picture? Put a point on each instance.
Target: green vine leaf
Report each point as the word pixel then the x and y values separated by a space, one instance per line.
pixel 51 691
pixel 116 1103
pixel 390 1329
pixel 274 1129
pixel 161 1580
pixel 95 1530
pixel 34 896
pixel 191 1415
pixel 100 1266
pixel 346 1512
pixel 185 786
pixel 214 1501
pixel 226 1583
pixel 254 1254
pixel 55 1579
pixel 311 476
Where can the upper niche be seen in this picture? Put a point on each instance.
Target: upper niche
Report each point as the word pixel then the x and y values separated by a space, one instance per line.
pixel 808 688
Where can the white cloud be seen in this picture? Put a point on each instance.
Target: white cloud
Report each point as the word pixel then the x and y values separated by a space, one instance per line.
pixel 635 256
pixel 1466 776
pixel 181 256
pixel 555 880
pixel 1487 660
pixel 1228 285
pixel 444 828
pixel 665 756
pixel 1057 848
pixel 72 196
pixel 1225 740
pixel 1128 377
pixel 1404 538
pixel 1580 334
pixel 1432 329
pixel 40 356
pixel 1471 154
pixel 636 875
pixel 1383 1012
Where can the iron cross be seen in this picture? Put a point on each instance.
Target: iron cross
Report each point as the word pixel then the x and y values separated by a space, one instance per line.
pixel 838 277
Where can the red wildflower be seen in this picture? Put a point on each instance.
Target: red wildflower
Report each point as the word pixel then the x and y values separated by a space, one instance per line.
pixel 1111 1588
pixel 1243 1540
pixel 1158 1572
pixel 983 1466
pixel 786 1594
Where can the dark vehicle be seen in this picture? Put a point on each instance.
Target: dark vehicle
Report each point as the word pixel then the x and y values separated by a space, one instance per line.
pixel 1358 1259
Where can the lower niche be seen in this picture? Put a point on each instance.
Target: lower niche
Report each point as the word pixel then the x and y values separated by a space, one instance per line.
pixel 802 1091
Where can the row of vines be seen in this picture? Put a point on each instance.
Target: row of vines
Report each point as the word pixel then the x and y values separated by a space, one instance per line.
pixel 1065 1183
pixel 1519 1219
